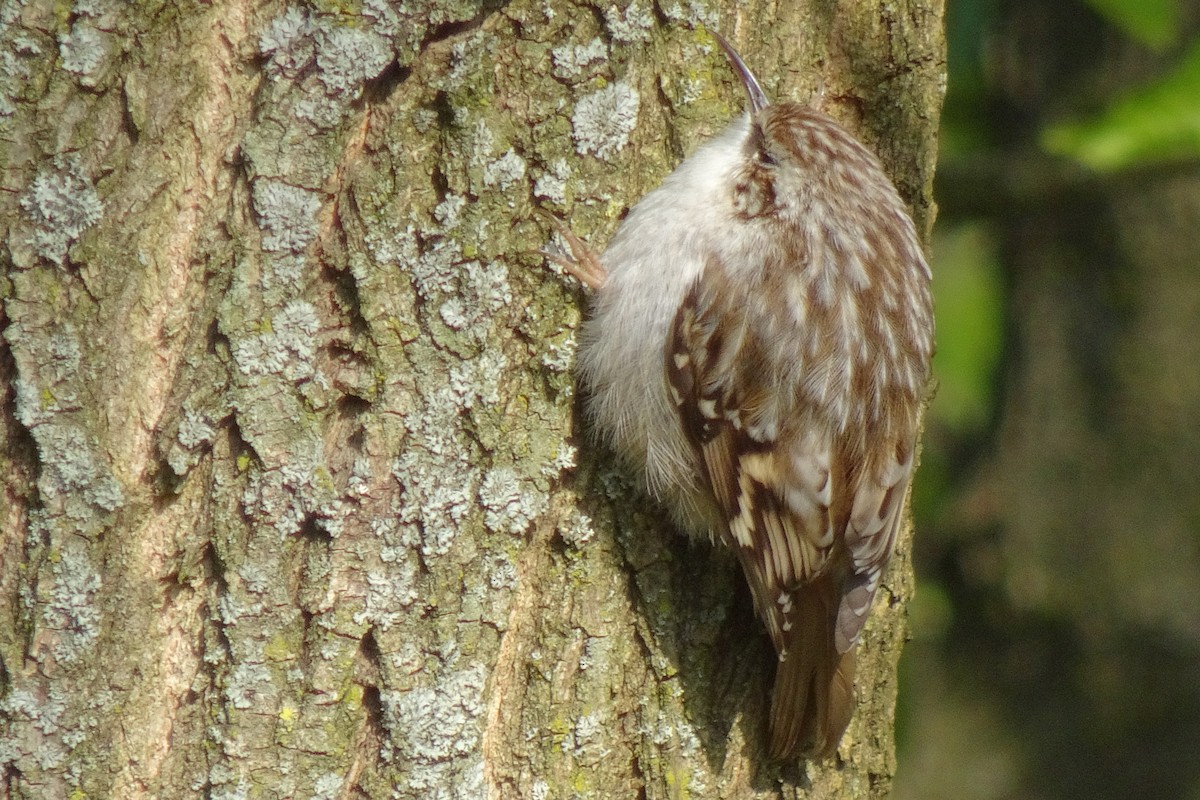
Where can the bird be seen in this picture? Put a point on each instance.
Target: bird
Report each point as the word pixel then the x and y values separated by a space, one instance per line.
pixel 758 350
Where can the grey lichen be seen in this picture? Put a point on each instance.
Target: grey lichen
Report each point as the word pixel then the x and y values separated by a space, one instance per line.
pixel 194 430
pixel 83 51
pixel 76 479
pixel 694 13
pixel 230 611
pixel 447 212
pixel 387 18
pixel 328 786
pixel 630 24
pixel 74 474
pixel 578 531
pixel 71 611
pixel 510 504
pixel 196 427
pixel 71 459
pixel 52 365
pixel 245 683
pixel 437 731
pixel 504 171
pixel 287 214
pixel 466 54
pixel 61 202
pixel 382 611
pixel 255 578
pixel 348 57
pixel 18 52
pixel 435 271
pixel 359 482
pixel 424 120
pixel 502 572
pixel 22 42
pixel 563 461
pixel 587 742
pixel 572 61
pixel 283 270
pixel 287 347
pixel 92 8
pixel 478 290
pixel 389 595
pixel 560 356
pixel 597 651
pixel 220 790
pixel 603 120
pixel 455 314
pixel 436 472
pixel 478 379
pixel 35 718
pixel 486 286
pixel 44 714
pixel 64 353
pixel 552 184
pixel 288 40
pixel 296 486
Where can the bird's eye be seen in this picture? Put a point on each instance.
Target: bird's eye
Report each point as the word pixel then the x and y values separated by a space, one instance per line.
pixel 758 144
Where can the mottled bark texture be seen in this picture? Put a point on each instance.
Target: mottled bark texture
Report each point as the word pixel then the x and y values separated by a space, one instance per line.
pixel 295 501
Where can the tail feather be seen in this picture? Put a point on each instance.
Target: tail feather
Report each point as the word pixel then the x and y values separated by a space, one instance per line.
pixel 814 684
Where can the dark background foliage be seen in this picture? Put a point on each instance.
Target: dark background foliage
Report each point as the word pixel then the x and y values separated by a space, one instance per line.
pixel 1057 624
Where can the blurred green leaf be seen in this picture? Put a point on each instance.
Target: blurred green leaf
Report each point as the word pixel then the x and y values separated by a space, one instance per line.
pixel 1158 123
pixel 968 297
pixel 1151 22
pixel 931 611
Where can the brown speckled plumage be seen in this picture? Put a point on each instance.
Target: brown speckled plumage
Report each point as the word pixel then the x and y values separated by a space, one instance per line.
pixel 776 284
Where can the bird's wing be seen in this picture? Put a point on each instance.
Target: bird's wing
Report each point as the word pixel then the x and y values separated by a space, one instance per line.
pixel 811 517
pixel 776 499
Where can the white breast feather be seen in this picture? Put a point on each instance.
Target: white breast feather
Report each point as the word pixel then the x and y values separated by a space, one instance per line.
pixel 652 261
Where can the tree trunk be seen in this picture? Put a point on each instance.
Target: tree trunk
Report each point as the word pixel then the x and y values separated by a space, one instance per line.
pixel 295 503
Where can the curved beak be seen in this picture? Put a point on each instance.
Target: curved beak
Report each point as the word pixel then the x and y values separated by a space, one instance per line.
pixel 758 98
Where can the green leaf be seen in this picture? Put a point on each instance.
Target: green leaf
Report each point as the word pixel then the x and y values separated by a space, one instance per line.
pixel 968 301
pixel 968 297
pixel 1151 22
pixel 1160 122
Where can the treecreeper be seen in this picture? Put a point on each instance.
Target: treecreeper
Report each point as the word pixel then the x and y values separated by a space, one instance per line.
pixel 758 349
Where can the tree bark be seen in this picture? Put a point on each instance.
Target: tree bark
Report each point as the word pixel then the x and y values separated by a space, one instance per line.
pixel 295 503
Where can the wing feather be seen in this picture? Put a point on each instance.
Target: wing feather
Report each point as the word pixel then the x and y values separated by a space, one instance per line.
pixel 777 516
pixel 812 521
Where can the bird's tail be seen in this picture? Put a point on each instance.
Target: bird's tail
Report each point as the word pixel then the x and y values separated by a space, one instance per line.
pixel 814 683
